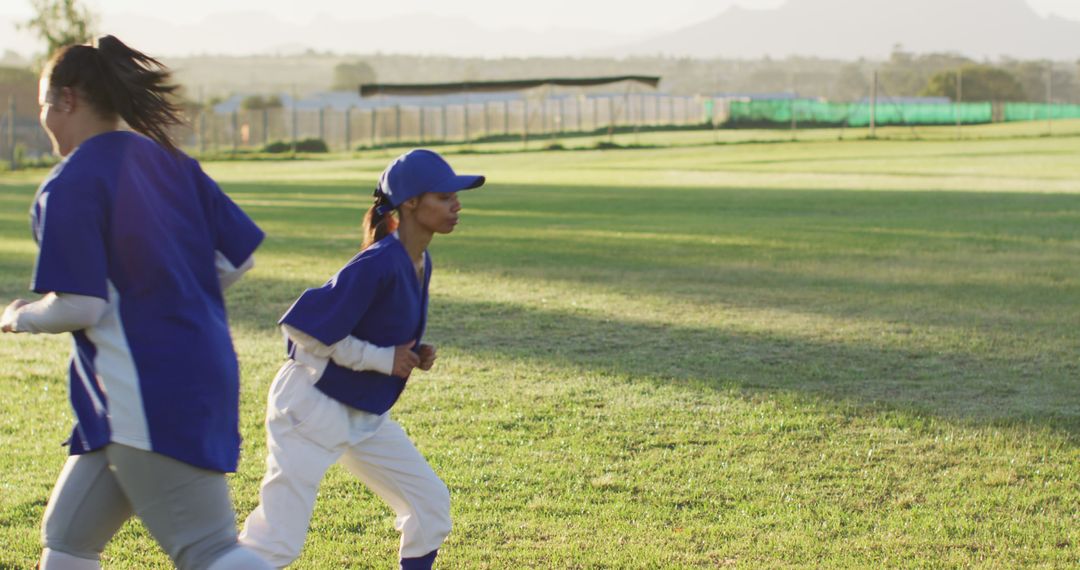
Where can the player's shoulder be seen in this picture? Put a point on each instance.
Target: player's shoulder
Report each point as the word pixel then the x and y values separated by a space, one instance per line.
pixel 378 254
pixel 75 177
pixel 98 157
pixel 378 259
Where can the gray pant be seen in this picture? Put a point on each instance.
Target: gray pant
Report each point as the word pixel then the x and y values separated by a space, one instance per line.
pixel 187 509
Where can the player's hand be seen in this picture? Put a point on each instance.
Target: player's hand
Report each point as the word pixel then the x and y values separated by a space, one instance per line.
pixel 405 359
pixel 7 321
pixel 427 356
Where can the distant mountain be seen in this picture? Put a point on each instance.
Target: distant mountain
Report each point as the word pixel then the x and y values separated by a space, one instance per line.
pixel 850 29
pixel 257 32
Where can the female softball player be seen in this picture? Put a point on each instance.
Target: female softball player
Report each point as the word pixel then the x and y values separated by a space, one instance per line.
pixel 352 345
pixel 136 245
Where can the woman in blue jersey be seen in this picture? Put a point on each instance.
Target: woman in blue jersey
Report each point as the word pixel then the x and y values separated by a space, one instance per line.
pixel 136 244
pixel 352 345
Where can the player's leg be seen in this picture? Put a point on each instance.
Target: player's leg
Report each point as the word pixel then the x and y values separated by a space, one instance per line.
pixel 85 510
pixel 187 509
pixel 304 431
pixel 391 466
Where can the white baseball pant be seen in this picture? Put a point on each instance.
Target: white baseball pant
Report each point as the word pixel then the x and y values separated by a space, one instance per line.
pixel 306 432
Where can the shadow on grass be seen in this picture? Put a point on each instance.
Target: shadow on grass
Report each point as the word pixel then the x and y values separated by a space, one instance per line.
pixel 1000 261
pixel 807 244
pixel 979 388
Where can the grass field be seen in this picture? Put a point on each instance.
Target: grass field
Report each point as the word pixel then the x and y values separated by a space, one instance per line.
pixel 820 353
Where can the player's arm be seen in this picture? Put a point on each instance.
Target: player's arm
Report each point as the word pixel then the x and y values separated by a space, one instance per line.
pixel 355 354
pixel 229 273
pixel 53 313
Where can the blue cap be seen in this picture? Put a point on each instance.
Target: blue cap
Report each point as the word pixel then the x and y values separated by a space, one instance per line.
pixel 419 171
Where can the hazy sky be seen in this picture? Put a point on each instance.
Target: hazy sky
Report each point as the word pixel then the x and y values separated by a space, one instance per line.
pixel 608 16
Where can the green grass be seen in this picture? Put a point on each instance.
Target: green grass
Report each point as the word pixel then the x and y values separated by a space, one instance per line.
pixel 818 353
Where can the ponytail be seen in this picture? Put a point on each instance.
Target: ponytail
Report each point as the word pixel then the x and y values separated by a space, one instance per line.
pixel 379 221
pixel 117 80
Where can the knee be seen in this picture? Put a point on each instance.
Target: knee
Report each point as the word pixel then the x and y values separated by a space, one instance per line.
pixel 201 553
pixel 61 538
pixel 440 523
pixel 428 516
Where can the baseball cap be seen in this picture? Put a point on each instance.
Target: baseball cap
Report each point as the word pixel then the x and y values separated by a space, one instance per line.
pixel 419 171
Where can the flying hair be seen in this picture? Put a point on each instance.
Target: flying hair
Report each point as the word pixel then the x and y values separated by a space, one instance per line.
pixel 117 80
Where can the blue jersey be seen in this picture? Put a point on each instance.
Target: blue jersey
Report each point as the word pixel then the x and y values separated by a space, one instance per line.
pixel 376 297
pixel 123 219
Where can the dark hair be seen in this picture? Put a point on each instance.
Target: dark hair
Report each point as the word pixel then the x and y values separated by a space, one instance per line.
pixel 379 221
pixel 119 81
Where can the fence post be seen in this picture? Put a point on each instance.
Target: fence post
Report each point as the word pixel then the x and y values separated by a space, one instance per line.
pixel 348 128
pixel 714 112
pixel 421 111
pixel 374 123
pixel 322 124
pixel 202 123
pixel 543 116
pixel 11 131
pixel 397 124
pixel 562 110
pixel 295 126
pixel 465 119
pixel 265 126
pixel 611 119
pixel 487 107
pixel 577 113
pixel 506 118
pixel 235 128
pixel 1049 99
pixel 582 101
pixel 873 106
pixel 445 126
pixel 794 106
pixel 959 98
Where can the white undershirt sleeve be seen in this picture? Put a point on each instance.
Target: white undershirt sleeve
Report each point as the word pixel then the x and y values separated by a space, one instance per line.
pixel 227 273
pixel 57 313
pixel 349 352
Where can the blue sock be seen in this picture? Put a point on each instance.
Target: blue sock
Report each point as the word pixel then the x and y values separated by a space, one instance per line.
pixel 421 562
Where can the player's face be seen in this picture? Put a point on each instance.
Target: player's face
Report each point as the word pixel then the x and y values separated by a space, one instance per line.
pixel 438 211
pixel 52 116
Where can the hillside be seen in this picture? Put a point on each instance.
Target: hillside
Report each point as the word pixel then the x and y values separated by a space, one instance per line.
pixel 847 29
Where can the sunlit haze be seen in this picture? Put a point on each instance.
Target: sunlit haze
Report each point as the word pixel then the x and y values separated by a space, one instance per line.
pixel 572 27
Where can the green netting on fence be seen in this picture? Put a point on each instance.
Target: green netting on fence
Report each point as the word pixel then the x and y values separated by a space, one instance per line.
pixel 857 114
pixel 1040 111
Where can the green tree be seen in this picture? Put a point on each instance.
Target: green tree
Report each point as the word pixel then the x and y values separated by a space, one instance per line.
pixel 60 22
pixel 253 103
pixel 906 74
pixel 977 83
pixel 1033 76
pixel 258 102
pixel 349 76
pixel 852 83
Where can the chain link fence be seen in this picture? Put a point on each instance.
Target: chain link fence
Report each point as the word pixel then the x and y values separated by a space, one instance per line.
pixel 389 124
